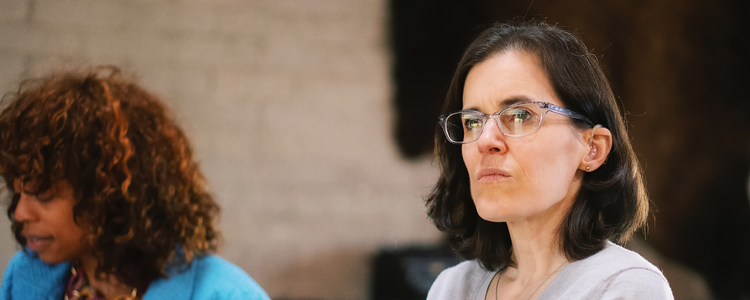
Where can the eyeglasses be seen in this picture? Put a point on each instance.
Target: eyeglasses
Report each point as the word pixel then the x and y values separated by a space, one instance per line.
pixel 465 126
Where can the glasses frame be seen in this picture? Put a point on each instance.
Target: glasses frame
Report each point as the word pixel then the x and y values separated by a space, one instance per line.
pixel 544 106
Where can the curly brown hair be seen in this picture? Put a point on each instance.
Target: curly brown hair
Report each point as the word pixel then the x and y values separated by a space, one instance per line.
pixel 139 192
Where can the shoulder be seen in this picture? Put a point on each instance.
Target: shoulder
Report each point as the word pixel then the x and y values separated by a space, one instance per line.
pixel 209 277
pixel 212 267
pixel 217 278
pixel 614 272
pixel 27 277
pixel 463 281
pixel 614 259
pixel 637 283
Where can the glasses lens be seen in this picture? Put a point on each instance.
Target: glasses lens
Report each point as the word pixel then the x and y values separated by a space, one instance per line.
pixel 523 119
pixel 464 127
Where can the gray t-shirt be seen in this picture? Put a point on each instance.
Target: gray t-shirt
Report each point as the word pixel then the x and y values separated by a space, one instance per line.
pixel 613 273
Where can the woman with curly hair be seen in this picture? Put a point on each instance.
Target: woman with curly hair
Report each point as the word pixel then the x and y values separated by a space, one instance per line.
pixel 539 180
pixel 106 198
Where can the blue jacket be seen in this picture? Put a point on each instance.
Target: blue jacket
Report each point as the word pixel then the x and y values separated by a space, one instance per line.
pixel 208 277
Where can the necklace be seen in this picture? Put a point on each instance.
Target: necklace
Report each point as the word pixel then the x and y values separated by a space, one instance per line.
pixel 537 288
pixel 79 288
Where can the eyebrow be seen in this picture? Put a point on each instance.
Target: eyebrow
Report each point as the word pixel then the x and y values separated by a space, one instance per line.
pixel 506 102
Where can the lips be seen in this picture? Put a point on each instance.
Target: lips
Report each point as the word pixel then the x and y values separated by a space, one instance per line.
pixel 488 175
pixel 38 243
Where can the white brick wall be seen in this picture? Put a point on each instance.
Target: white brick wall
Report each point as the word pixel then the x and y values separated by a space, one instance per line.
pixel 13 10
pixel 287 104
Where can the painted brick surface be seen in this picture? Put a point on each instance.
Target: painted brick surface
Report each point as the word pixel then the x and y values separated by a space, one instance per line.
pixel 13 10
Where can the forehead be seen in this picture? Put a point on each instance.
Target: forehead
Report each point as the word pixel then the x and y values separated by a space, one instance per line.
pixel 505 78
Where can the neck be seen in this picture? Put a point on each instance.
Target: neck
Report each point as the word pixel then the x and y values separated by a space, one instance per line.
pixel 109 286
pixel 536 246
pixel 537 252
pixel 536 256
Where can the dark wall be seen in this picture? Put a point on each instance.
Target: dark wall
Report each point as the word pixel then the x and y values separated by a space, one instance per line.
pixel 680 68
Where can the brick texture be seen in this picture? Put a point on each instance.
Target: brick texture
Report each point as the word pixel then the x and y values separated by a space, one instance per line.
pixel 288 106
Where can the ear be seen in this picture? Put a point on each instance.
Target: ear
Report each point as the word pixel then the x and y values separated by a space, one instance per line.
pixel 599 141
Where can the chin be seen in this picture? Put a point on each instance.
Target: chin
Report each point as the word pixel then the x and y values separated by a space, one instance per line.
pixel 493 213
pixel 499 218
pixel 497 208
pixel 52 259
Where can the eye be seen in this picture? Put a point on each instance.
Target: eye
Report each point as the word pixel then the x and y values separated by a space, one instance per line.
pixel 46 196
pixel 472 122
pixel 517 115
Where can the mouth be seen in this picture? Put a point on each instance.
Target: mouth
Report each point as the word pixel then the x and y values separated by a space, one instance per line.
pixel 488 175
pixel 38 243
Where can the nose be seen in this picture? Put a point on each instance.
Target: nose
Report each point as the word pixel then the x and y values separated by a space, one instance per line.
pixel 492 139
pixel 25 210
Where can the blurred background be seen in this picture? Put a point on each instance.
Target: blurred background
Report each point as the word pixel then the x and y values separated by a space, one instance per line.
pixel 313 121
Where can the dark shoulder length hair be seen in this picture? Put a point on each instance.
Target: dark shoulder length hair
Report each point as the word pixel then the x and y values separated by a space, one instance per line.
pixel 141 198
pixel 612 202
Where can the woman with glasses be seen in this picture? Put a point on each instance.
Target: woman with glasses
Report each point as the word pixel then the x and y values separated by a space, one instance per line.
pixel 106 198
pixel 539 182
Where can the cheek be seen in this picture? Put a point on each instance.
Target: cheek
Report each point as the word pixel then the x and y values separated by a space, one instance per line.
pixel 552 169
pixel 471 158
pixel 70 234
pixel 71 243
